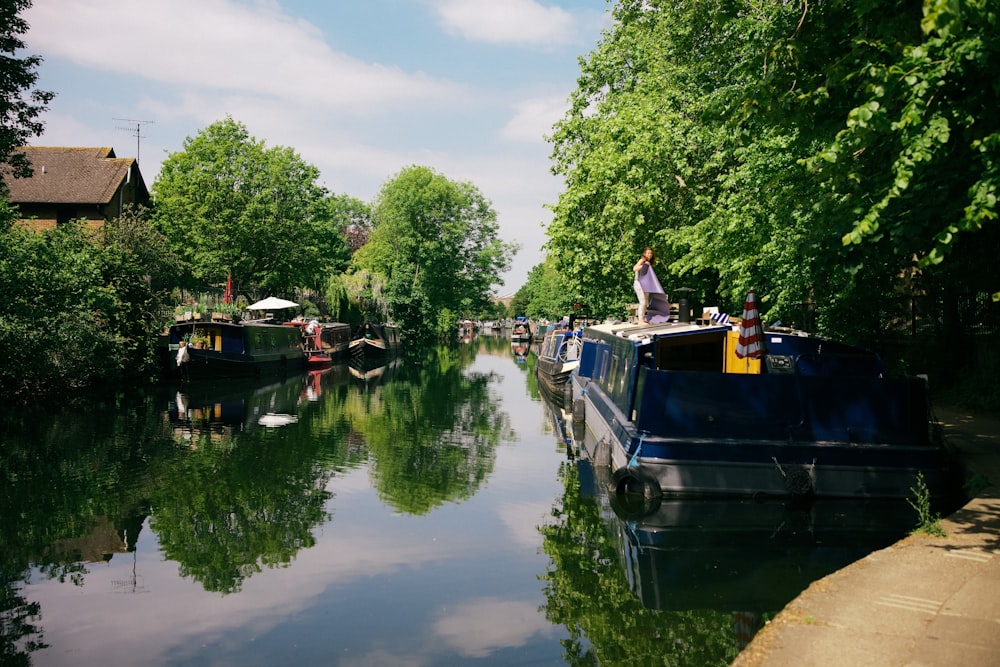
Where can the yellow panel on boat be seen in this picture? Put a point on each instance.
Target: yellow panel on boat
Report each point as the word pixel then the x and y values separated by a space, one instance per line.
pixel 733 363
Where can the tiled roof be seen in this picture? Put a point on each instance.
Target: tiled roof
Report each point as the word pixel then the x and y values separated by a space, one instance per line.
pixel 65 175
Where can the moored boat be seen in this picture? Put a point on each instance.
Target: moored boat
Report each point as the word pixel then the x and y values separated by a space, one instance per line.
pixel 676 411
pixel 324 343
pixel 376 341
pixel 558 357
pixel 227 349
pixel 521 331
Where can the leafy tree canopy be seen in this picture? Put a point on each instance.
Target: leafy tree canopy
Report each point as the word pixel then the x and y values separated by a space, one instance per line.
pixel 106 285
pixel 818 152
pixel 435 241
pixel 20 104
pixel 231 206
pixel 545 295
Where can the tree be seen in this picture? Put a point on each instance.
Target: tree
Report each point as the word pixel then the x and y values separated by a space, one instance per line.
pixel 231 206
pixel 435 241
pixel 354 218
pixel 18 114
pixel 545 293
pixel 79 309
pixel 818 152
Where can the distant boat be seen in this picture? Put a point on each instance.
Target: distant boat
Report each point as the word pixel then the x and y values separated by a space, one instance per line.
pixel 558 357
pixel 227 349
pixel 521 331
pixel 376 340
pixel 324 343
pixel 678 412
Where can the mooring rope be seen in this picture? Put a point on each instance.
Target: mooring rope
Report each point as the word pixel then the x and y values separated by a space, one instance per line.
pixel 638 448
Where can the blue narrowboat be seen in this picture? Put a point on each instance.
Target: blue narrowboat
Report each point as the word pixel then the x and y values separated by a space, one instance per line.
pixel 673 410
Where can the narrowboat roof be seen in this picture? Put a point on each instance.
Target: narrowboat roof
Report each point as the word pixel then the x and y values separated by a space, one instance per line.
pixel 643 332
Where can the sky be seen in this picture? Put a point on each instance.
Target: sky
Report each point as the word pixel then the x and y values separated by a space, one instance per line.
pixel 361 89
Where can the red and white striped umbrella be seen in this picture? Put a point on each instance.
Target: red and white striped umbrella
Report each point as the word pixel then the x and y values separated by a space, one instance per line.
pixel 751 344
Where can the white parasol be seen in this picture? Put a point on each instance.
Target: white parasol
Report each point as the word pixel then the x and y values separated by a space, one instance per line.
pixel 272 303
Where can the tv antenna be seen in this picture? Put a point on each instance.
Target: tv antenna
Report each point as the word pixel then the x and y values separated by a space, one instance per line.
pixel 134 131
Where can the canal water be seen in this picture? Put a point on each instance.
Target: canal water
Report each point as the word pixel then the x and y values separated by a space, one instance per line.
pixel 430 512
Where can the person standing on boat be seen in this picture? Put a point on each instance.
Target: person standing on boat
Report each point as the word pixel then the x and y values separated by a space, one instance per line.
pixel 312 333
pixel 646 284
pixel 182 359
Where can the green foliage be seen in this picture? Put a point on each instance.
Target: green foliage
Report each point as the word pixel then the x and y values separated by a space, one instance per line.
pixel 928 522
pixel 587 591
pixel 433 431
pixel 828 154
pixel 231 206
pixel 19 109
pixel 358 296
pixel 446 325
pixel 545 294
pixel 79 308
pixel 436 243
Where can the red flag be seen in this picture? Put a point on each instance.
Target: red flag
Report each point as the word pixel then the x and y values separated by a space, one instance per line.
pixel 228 296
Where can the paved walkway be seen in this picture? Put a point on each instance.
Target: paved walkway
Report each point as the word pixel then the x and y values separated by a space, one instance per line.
pixel 923 601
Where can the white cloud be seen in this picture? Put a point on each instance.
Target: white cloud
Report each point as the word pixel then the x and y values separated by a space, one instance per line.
pixel 476 629
pixel 218 45
pixel 506 21
pixel 533 119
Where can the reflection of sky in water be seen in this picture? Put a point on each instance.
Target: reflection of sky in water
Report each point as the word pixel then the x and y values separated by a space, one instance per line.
pixel 460 584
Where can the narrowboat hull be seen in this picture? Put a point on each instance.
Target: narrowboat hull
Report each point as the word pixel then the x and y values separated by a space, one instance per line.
pixel 235 349
pixel 558 358
pixel 376 341
pixel 331 343
pixel 822 426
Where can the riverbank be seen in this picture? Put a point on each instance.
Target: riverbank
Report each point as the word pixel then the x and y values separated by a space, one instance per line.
pixel 924 600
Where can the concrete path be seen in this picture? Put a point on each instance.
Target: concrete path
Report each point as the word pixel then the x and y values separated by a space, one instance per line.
pixel 922 601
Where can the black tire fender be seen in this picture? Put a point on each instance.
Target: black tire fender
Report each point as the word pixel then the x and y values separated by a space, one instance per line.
pixel 634 481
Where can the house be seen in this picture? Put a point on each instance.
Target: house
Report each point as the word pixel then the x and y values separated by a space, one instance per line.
pixel 68 183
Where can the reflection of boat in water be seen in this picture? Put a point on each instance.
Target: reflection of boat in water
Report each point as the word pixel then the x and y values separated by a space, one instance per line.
pixel 740 556
pixel 373 371
pixel 520 351
pixel 317 380
pixel 225 407
pixel 564 428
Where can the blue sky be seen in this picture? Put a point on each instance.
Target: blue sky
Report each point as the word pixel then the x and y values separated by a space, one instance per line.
pixel 359 88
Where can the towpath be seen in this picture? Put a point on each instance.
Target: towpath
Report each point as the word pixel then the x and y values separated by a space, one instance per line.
pixel 922 601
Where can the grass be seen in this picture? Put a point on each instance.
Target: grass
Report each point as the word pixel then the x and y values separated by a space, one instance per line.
pixel 928 522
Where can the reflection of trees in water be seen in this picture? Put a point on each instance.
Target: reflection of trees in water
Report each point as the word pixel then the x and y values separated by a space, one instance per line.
pixel 432 432
pixel 73 482
pixel 587 592
pixel 226 511
pixel 240 502
pixel 20 631
pixel 227 502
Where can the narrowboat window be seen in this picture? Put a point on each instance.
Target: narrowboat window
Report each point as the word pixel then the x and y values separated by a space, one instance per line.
pixel 704 353
pixel 602 365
